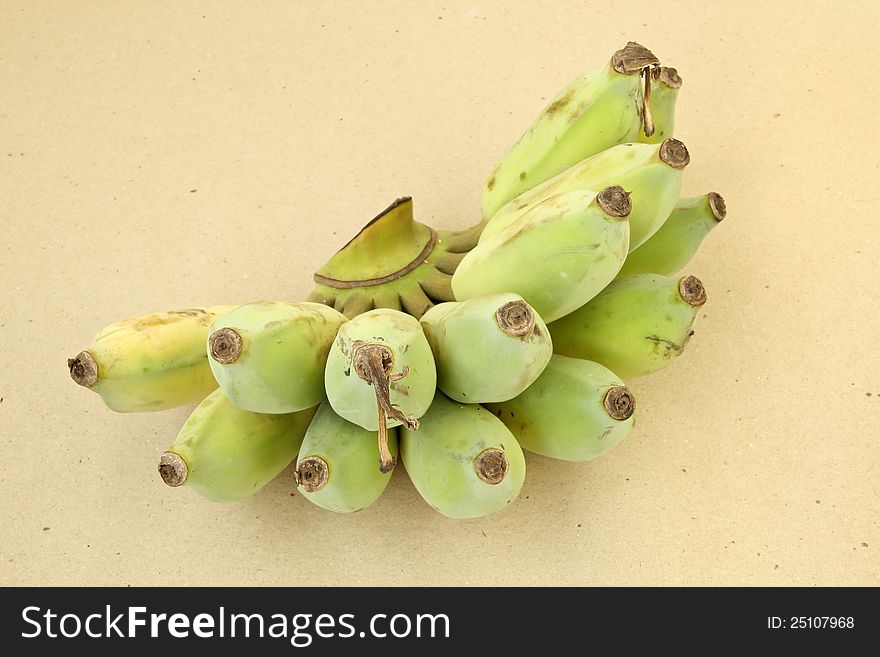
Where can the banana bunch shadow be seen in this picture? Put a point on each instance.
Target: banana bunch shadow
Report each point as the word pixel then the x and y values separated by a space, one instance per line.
pixel 450 350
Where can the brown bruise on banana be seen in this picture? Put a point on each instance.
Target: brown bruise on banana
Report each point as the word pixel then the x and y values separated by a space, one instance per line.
pixel 373 362
pixel 619 403
pixel 692 291
pixel 717 206
pixel 491 466
pixel 172 469
pixel 516 319
pixel 614 201
pixel 311 474
pixel 83 369
pixel 225 345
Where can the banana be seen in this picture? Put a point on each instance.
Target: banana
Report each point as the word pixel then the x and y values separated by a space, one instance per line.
pixel 150 363
pixel 336 467
pixel 636 326
pixel 557 256
pixel 665 83
pixel 575 411
pixel 227 454
pixel 651 173
pixel 463 461
pixel 269 356
pixel 380 373
pixel 677 240
pixel 488 348
pixel 599 110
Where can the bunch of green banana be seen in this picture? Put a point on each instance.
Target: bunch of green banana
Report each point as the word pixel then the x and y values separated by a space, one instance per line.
pixel 228 454
pixel 575 411
pixel 488 348
pixel 599 110
pixel 269 357
pixel 150 363
pixel 636 326
pixel 380 373
pixel 432 344
pixel 672 247
pixel 557 256
pixel 337 464
pixel 463 461
pixel 650 173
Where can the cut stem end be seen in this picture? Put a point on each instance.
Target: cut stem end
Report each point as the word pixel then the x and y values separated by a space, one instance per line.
pixel 225 345
pixel 614 201
pixel 311 474
pixel 632 58
pixel 692 291
pixel 172 469
pixel 619 403
pixel 717 205
pixel 675 154
pixel 516 318
pixel 669 76
pixel 491 466
pixel 83 369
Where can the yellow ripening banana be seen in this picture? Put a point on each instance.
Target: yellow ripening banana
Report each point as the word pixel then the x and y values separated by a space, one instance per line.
pixel 599 110
pixel 227 453
pixel 651 173
pixel 150 363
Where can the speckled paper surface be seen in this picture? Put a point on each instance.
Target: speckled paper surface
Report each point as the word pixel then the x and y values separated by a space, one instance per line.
pixel 164 155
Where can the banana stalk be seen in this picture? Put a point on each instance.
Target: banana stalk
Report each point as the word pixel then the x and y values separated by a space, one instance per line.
pixel 394 262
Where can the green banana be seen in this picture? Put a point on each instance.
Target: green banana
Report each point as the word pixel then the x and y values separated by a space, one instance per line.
pixel 636 326
pixel 665 83
pixel 575 411
pixel 150 363
pixel 557 256
pixel 488 348
pixel 336 467
pixel 380 373
pixel 393 262
pixel 677 240
pixel 227 454
pixel 652 173
pixel 599 110
pixel 269 356
pixel 463 461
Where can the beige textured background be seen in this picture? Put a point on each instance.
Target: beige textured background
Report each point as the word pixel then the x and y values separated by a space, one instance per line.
pixel 164 155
